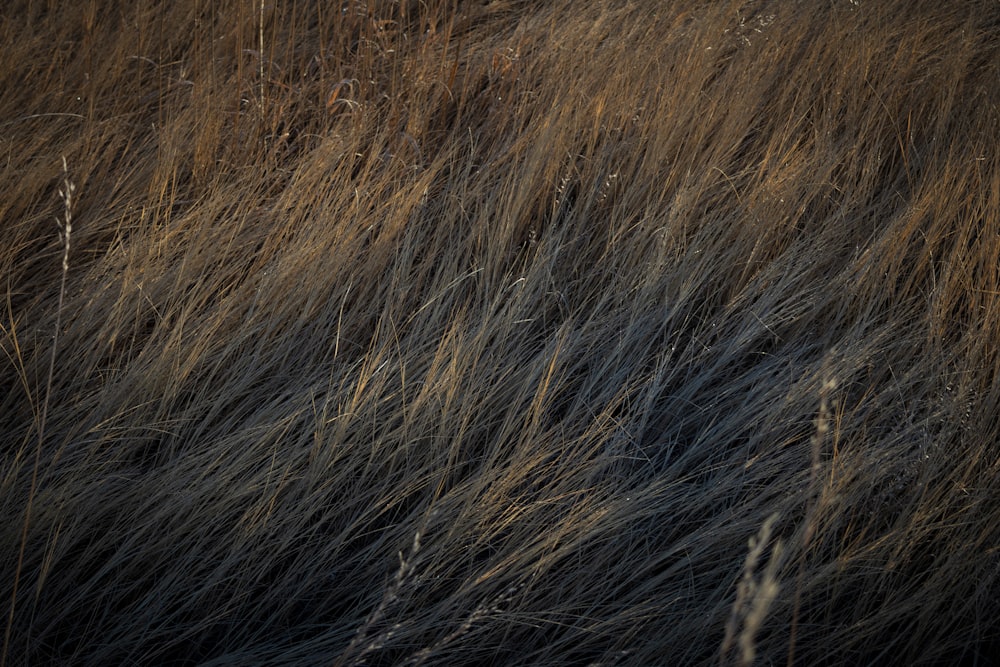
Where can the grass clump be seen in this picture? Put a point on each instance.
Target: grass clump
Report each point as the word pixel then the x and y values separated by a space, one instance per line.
pixel 450 333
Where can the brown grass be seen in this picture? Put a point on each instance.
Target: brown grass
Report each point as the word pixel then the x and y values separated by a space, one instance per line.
pixel 442 333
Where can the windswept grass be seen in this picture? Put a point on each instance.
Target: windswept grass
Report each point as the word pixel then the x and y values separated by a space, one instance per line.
pixel 464 333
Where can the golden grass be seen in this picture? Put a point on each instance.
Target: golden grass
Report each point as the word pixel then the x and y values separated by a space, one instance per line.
pixel 441 333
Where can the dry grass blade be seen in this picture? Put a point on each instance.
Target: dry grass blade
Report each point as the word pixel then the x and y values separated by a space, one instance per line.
pixel 65 225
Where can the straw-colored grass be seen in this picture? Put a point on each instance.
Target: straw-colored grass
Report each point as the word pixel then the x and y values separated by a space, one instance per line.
pixel 465 333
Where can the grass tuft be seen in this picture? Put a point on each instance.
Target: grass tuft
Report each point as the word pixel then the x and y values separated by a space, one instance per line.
pixel 558 288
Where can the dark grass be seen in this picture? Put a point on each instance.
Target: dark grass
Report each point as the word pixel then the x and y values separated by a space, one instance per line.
pixel 490 333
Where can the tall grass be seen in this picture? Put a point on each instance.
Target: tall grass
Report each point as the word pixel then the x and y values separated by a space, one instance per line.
pixel 441 333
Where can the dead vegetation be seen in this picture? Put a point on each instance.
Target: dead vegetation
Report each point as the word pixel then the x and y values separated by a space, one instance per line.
pixel 441 333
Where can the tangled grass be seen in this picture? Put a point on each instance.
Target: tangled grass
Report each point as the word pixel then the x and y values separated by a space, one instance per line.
pixel 443 333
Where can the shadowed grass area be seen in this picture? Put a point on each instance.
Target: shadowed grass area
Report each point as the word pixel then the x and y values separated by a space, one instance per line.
pixel 465 333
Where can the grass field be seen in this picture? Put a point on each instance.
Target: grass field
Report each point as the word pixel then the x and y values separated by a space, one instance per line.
pixel 513 333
